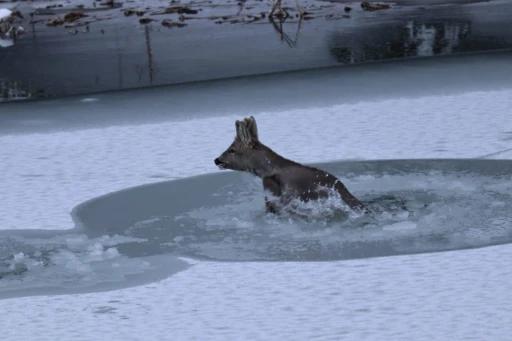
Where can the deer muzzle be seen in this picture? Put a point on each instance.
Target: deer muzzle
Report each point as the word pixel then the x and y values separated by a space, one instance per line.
pixel 219 163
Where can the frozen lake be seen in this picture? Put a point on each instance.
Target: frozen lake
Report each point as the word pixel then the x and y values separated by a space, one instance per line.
pixel 58 154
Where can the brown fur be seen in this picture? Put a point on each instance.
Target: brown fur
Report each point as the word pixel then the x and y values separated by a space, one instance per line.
pixel 284 178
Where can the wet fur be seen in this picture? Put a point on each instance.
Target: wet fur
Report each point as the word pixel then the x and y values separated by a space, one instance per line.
pixel 283 178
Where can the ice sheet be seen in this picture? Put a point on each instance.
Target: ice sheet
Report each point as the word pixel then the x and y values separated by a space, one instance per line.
pixel 48 174
pixel 452 295
pixel 461 295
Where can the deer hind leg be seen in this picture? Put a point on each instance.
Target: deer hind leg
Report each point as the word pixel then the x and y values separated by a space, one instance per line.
pixel 349 199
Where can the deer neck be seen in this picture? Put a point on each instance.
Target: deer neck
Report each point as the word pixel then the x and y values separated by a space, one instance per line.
pixel 271 163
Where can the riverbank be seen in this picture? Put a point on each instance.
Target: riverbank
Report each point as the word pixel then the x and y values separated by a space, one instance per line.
pixel 127 45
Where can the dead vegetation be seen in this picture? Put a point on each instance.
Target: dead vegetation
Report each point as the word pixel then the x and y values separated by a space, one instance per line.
pixel 176 10
pixel 370 7
pixel 73 17
pixel 169 23
pixel 145 21
pixel 128 12
pixel 67 18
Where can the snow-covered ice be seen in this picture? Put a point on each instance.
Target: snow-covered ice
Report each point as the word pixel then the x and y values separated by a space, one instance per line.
pixel 43 169
pixel 442 296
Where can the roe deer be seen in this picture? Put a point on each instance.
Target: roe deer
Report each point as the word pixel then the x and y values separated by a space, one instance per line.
pixel 284 178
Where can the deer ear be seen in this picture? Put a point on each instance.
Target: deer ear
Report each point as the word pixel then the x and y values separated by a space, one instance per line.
pixel 243 133
pixel 250 122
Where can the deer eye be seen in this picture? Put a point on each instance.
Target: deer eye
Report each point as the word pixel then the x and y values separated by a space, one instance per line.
pixel 231 151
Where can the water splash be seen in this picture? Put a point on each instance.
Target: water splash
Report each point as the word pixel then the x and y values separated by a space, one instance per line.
pixel 412 213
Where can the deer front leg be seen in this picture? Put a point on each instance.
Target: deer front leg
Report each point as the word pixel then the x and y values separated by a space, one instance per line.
pixel 270 206
pixel 271 184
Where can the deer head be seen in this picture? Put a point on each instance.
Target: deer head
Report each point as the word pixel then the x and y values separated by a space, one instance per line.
pixel 246 152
